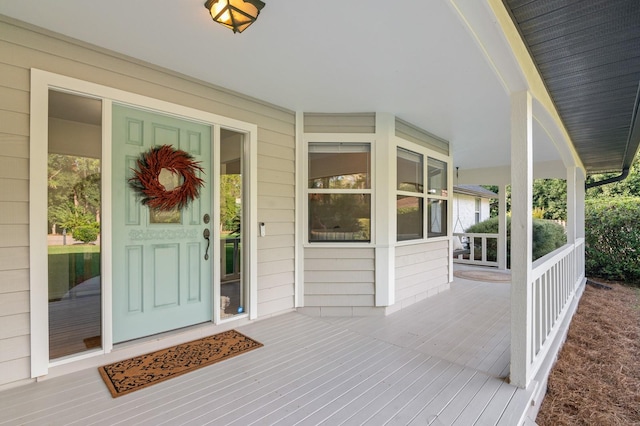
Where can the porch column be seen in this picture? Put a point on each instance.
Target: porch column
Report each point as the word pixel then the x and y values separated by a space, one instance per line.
pixel 385 223
pixel 502 227
pixel 571 204
pixel 521 236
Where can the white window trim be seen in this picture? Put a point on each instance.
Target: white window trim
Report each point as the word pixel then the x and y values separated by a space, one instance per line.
pixel 41 82
pixel 333 138
pixel 426 154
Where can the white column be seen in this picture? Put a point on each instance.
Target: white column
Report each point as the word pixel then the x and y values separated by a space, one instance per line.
pixel 521 241
pixel 571 204
pixel 580 196
pixel 502 227
pixel 385 212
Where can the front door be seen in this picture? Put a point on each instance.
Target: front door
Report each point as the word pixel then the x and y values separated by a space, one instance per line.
pixel 162 261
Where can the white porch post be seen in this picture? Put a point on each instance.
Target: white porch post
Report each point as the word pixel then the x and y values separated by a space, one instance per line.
pixel 521 231
pixel 571 204
pixel 385 223
pixel 502 227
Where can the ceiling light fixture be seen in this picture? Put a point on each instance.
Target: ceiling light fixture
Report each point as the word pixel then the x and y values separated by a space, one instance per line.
pixel 234 14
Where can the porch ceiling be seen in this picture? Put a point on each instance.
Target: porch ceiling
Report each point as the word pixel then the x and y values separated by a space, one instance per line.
pixel 588 54
pixel 446 69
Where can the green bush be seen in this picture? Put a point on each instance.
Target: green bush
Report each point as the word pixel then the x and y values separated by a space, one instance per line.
pixel 86 234
pixel 612 228
pixel 547 236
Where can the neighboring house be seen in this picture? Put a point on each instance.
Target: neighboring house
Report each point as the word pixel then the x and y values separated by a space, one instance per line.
pixel 344 181
pixel 471 205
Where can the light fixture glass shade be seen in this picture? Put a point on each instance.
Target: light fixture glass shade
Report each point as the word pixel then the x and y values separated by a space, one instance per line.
pixel 234 14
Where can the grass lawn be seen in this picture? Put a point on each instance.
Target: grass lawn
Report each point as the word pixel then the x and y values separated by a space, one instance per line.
pixel 74 248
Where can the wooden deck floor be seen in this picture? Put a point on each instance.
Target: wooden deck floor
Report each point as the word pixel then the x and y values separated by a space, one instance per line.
pixel 437 362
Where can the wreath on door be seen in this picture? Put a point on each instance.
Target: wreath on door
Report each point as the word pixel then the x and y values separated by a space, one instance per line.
pixel 166 160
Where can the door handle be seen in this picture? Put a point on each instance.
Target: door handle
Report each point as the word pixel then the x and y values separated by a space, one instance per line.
pixel 206 234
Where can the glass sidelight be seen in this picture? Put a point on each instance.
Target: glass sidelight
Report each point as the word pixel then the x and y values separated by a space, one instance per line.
pixel 233 291
pixel 73 222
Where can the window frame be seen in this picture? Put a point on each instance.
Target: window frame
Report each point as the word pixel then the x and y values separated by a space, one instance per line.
pixel 426 154
pixel 332 139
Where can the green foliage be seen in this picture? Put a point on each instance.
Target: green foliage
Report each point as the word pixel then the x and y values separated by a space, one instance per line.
pixel 230 210
pixel 547 236
pixel 86 234
pixel 550 195
pixel 73 190
pixel 613 239
pixel 69 216
pixel 629 187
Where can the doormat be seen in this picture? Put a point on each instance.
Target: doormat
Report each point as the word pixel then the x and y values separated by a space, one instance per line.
pixel 486 276
pixel 136 373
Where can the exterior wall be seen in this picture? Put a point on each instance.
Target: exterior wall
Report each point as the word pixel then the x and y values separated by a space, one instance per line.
pixel 23 47
pixel 421 271
pixel 464 211
pixel 339 281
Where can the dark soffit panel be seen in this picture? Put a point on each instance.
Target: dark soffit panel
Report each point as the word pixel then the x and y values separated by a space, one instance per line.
pixel 588 54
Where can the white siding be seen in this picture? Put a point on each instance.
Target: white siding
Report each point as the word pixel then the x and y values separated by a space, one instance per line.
pixel 421 271
pixel 340 123
pixel 338 280
pixel 464 211
pixel 23 47
pixel 413 134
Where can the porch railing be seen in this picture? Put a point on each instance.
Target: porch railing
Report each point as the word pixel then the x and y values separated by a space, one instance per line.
pixel 478 246
pixel 555 279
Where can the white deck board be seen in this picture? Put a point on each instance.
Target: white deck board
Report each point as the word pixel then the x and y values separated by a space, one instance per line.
pixel 437 362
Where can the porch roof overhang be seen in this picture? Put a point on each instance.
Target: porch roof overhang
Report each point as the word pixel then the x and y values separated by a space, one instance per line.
pixel 588 54
pixel 449 69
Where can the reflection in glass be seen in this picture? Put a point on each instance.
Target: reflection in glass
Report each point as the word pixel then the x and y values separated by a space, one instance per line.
pixel 233 292
pixel 437 218
pixel 409 171
pixel 339 166
pixel 437 183
pixel 410 218
pixel 73 216
pixel 339 217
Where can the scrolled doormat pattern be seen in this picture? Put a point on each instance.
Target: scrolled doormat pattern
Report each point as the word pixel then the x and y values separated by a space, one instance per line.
pixel 136 373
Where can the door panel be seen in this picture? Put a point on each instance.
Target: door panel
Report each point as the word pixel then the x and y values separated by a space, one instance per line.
pixel 161 280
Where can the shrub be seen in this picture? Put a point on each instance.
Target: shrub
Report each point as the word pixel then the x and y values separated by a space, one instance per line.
pixel 86 234
pixel 612 228
pixel 547 236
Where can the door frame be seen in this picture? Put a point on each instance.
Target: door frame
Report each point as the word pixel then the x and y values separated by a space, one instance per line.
pixel 41 83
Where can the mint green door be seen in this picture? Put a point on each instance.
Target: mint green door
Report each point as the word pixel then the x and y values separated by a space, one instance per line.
pixel 162 265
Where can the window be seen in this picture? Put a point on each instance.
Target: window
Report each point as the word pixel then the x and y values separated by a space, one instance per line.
pixel 437 183
pixel 410 195
pixel 411 198
pixel 339 192
pixel 477 212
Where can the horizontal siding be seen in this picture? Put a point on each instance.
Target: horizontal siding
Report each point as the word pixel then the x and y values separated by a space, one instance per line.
pixel 340 123
pixel 14 235
pixel 421 270
pixel 14 146
pixel 14 325
pixel 23 47
pixel 411 133
pixel 14 213
pixel 13 280
pixel 339 277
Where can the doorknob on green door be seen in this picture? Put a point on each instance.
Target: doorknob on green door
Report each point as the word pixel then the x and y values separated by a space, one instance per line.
pixel 206 234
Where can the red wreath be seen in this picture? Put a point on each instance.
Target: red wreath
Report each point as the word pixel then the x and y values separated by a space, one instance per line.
pixel 145 180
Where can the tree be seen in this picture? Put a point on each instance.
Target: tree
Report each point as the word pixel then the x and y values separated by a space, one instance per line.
pixel 73 190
